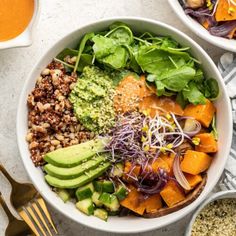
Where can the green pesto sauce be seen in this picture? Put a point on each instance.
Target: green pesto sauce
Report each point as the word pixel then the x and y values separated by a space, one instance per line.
pixel 92 99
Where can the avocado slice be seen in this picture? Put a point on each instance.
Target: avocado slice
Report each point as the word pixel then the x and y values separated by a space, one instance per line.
pixel 73 172
pixel 74 155
pixel 79 181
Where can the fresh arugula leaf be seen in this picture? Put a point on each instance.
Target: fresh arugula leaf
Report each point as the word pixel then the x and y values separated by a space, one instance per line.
pixel 212 87
pixel 168 43
pixel 177 79
pixel 110 52
pixel 122 34
pixel 117 59
pixel 160 88
pixel 155 60
pixel 81 48
pixel 103 46
pixel 199 76
pixel 193 95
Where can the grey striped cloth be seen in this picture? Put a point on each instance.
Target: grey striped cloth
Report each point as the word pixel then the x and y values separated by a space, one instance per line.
pixel 227 67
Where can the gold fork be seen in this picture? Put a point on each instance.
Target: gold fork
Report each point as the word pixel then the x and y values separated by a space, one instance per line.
pixel 15 227
pixel 30 206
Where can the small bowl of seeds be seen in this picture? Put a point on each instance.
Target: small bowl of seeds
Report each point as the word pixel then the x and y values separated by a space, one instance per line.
pixel 215 217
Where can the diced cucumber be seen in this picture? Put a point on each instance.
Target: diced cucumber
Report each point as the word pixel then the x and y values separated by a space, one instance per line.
pixel 86 206
pixel 110 201
pixel 118 170
pixel 101 213
pixel 104 186
pixel 95 199
pixel 107 186
pixel 85 192
pixel 105 198
pixel 98 186
pixel 63 194
pixel 121 192
pixel 114 205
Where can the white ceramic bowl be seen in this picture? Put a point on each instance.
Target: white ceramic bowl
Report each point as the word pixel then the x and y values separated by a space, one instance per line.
pixel 127 224
pixel 219 195
pixel 199 30
pixel 25 38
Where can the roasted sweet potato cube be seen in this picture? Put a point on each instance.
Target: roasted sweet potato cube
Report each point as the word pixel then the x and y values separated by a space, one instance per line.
pixel 207 143
pixel 169 159
pixel 225 12
pixel 153 203
pixel 203 112
pixel 193 180
pixel 131 170
pixel 195 162
pixel 159 163
pixel 134 201
pixel 172 194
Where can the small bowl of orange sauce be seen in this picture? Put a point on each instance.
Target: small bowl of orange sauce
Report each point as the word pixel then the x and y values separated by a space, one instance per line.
pixel 17 18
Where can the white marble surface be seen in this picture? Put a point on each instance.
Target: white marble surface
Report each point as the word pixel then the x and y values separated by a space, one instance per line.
pixel 59 17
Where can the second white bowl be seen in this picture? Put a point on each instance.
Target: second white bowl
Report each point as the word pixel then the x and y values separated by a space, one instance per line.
pixel 199 30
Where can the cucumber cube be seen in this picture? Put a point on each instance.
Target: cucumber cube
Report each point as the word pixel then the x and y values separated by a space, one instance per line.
pixel 107 186
pixel 95 199
pixel 63 194
pixel 114 205
pixel 110 201
pixel 105 198
pixel 104 186
pixel 98 186
pixel 101 213
pixel 86 206
pixel 121 192
pixel 85 192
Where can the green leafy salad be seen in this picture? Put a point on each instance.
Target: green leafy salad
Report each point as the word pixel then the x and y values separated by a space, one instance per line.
pixel 168 65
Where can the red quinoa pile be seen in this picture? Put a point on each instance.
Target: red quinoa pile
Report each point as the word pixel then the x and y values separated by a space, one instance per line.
pixel 51 121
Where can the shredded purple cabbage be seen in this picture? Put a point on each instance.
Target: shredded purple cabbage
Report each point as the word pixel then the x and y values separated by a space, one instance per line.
pixel 153 182
pixel 224 29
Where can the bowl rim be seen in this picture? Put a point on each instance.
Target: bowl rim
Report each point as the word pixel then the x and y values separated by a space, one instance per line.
pixel 24 39
pixel 23 97
pixel 202 33
pixel 213 197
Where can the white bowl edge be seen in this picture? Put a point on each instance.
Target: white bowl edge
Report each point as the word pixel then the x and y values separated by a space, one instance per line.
pixel 134 224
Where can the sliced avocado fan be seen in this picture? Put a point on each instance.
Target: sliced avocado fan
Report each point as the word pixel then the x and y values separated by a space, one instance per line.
pixel 76 154
pixel 73 172
pixel 83 179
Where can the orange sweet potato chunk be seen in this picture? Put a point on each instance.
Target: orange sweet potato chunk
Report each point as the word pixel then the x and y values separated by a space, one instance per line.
pixel 225 12
pixel 132 171
pixel 159 163
pixel 193 180
pixel 169 159
pixel 134 201
pixel 153 102
pixel 207 143
pixel 153 203
pixel 203 112
pixel 172 194
pixel 195 162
